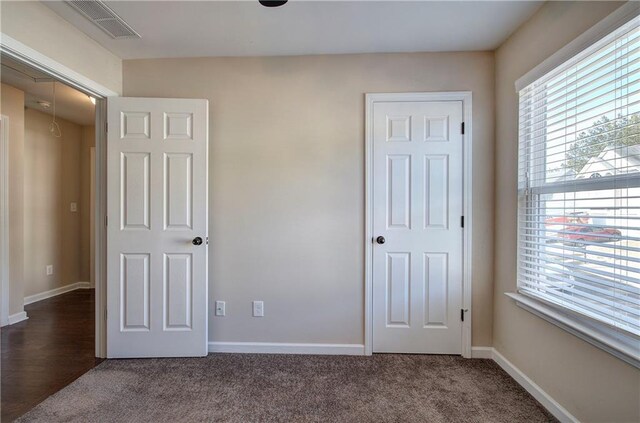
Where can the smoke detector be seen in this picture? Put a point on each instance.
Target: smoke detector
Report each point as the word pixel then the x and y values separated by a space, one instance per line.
pixel 104 18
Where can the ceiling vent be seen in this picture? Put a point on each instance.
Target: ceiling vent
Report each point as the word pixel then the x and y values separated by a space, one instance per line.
pixel 105 18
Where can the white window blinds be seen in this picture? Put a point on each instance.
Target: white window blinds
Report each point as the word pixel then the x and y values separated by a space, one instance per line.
pixel 579 183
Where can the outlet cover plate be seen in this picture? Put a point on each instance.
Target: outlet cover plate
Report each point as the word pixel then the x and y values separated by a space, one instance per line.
pixel 220 308
pixel 258 309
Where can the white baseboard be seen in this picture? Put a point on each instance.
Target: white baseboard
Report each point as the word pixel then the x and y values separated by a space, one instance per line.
pixel 482 352
pixel 57 291
pixel 18 317
pixel 537 392
pixel 286 348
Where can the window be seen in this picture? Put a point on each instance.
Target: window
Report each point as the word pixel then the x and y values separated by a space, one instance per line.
pixel 579 185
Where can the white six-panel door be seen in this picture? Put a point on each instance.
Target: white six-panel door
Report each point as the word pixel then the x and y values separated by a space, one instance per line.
pixel 417 206
pixel 157 207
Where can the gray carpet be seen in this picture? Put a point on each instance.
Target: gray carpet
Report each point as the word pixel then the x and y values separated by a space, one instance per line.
pixel 293 388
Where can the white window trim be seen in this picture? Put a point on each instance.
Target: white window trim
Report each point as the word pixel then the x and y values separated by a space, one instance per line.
pixel 620 344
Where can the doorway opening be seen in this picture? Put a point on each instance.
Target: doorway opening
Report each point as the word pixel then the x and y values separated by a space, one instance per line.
pixel 50 233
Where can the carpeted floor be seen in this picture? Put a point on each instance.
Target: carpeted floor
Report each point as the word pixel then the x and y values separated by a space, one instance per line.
pixel 293 388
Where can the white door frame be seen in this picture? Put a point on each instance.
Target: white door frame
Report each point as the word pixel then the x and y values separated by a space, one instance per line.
pixel 28 56
pixel 4 220
pixel 370 100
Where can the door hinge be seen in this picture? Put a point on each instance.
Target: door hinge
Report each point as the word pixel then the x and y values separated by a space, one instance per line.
pixel 462 221
pixel 462 314
pixel 106 221
pixel 105 314
pixel 106 127
pixel 462 128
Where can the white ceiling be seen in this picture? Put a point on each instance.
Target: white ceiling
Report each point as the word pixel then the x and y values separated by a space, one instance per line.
pixel 71 104
pixel 245 28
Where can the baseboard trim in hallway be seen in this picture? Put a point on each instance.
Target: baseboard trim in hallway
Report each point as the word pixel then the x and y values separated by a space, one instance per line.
pixel 286 348
pixel 18 317
pixel 57 291
pixel 552 406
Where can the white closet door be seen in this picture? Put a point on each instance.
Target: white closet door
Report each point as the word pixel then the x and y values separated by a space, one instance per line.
pixel 417 199
pixel 157 227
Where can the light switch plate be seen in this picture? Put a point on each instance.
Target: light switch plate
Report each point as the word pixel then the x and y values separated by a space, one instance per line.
pixel 74 207
pixel 49 269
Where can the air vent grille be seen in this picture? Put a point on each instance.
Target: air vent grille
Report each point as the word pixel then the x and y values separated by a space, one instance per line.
pixel 105 18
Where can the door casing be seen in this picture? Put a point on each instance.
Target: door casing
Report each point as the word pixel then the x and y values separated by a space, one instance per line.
pixel 30 57
pixel 4 220
pixel 370 100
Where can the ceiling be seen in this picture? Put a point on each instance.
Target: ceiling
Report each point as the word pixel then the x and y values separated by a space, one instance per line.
pixel 245 28
pixel 71 104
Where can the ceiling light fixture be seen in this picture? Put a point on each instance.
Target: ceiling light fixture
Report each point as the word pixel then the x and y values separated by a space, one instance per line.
pixel 272 3
pixel 43 104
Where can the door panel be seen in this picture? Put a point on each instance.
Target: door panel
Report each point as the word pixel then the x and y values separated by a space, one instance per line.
pixel 157 205
pixel 399 186
pixel 135 191
pixel 178 284
pixel 134 286
pixel 436 284
pixel 417 200
pixel 398 265
pixel 178 186
pixel 436 191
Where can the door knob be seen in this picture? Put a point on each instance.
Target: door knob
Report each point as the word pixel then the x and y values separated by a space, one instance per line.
pixel 380 240
pixel 197 241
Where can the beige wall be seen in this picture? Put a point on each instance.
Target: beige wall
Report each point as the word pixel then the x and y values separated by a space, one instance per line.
pixel 593 385
pixel 287 181
pixel 38 27
pixel 52 180
pixel 12 105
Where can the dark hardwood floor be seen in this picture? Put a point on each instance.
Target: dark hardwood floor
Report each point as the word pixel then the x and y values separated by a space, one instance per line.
pixel 46 352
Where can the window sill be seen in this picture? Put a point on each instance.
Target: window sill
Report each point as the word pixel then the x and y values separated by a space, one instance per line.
pixel 625 347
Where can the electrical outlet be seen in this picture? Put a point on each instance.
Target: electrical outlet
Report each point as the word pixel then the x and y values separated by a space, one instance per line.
pixel 258 309
pixel 49 269
pixel 220 306
pixel 74 207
